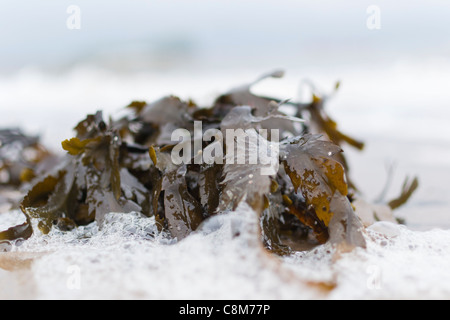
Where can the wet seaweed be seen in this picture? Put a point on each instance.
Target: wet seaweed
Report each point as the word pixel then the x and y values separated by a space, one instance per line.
pixel 301 193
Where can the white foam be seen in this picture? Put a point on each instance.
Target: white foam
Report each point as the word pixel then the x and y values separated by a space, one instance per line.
pixel 126 260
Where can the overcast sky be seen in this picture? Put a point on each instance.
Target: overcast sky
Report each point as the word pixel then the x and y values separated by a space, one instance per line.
pixel 220 32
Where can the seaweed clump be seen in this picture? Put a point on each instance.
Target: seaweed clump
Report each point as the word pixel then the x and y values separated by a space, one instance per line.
pixel 301 192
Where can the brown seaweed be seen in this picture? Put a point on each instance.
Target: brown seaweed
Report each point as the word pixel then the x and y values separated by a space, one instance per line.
pixel 300 194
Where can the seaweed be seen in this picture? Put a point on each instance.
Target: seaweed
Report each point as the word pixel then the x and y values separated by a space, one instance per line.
pixel 20 155
pixel 409 187
pixel 22 231
pixel 289 168
pixel 22 159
